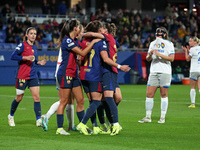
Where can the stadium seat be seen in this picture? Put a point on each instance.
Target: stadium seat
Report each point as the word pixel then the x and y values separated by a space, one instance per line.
pixel 51 74
pixel 7 46
pixel 4 27
pixel 2 40
pixel 2 33
pixel 43 75
pixel 13 46
pixel 1 47
pixel 44 47
pixel 159 18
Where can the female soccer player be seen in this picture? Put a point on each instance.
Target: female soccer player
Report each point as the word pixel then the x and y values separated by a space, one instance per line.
pixel 194 51
pixel 109 71
pixel 91 77
pixel 161 52
pixel 26 75
pixel 70 104
pixel 67 71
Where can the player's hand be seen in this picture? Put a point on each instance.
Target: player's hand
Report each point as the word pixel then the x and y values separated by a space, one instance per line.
pixel 125 68
pixel 157 53
pixel 30 57
pixel 184 48
pixel 42 62
pixel 151 52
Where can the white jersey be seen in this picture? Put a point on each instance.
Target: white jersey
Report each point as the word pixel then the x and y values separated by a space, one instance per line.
pixel 195 60
pixel 58 61
pixel 165 47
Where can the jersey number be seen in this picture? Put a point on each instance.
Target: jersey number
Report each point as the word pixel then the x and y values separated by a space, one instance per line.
pixel 92 53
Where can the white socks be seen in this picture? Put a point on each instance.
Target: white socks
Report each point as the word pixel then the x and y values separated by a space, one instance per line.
pixel 149 106
pixel 70 115
pixel 192 96
pixel 164 106
pixel 53 109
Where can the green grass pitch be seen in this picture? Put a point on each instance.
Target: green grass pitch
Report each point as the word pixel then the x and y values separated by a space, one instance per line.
pixel 181 130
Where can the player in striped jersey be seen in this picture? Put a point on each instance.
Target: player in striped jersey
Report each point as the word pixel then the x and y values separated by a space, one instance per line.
pixel 70 104
pixel 26 75
pixel 66 74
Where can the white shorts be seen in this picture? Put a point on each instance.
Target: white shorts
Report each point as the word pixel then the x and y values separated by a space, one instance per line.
pixel 194 75
pixel 159 80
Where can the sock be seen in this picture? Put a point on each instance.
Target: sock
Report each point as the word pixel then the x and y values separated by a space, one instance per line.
pixel 70 115
pixel 60 120
pixel 37 109
pixel 93 118
pixel 192 96
pixel 53 109
pixel 80 115
pixel 91 110
pixel 113 109
pixel 100 113
pixel 14 106
pixel 149 106
pixel 107 110
pixel 164 106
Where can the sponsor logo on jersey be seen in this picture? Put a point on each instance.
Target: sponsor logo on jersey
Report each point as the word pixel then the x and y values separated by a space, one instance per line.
pixel 162 45
pixel 21 84
pixel 70 44
pixel 69 41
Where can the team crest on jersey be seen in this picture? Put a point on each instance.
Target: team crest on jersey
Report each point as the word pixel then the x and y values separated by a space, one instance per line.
pixel 21 84
pixel 88 43
pixel 162 45
pixel 69 41
pixel 32 50
pixel 33 58
pixel 68 81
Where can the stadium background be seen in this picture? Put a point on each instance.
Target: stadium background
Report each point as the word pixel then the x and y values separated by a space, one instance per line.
pixel 135 57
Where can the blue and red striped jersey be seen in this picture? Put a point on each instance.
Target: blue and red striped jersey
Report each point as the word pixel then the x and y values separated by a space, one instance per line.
pixel 91 63
pixel 26 68
pixel 68 66
pixel 112 53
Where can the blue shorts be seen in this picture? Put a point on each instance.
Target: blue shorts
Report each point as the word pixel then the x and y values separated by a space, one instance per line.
pixel 109 81
pixel 91 86
pixel 68 82
pixel 23 83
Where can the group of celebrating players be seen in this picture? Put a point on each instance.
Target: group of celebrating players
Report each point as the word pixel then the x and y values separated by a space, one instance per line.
pixel 94 53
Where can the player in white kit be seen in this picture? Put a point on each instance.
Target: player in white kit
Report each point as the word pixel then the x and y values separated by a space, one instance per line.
pixel 192 52
pixel 161 52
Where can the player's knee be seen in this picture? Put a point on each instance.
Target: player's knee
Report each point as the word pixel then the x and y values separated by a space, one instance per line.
pixel 81 101
pixel 36 98
pixel 150 94
pixel 19 98
pixel 118 99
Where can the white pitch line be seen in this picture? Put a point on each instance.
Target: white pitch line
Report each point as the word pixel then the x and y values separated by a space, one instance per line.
pixel 137 100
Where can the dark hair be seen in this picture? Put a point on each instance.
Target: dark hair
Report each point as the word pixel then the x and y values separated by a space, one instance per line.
pixel 94 26
pixel 27 31
pixel 30 28
pixel 67 28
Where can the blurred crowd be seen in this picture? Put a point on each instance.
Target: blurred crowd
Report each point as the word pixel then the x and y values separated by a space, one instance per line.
pixel 134 29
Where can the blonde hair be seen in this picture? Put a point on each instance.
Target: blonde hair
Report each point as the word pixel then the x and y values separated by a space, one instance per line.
pixel 196 39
